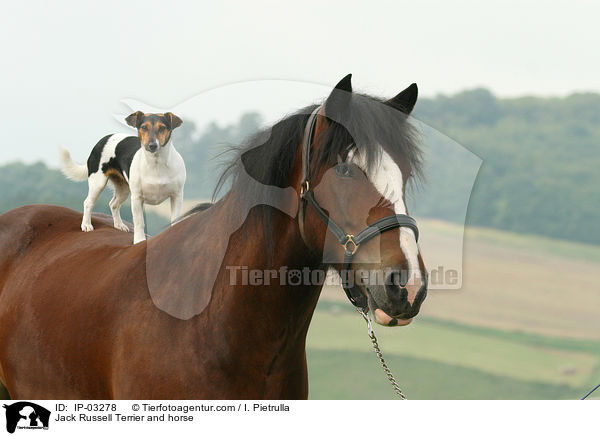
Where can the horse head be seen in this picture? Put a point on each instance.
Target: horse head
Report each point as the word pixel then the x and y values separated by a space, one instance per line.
pixel 365 155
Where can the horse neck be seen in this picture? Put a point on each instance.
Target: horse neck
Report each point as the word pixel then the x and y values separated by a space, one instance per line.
pixel 268 251
pixel 257 231
pixel 265 324
pixel 261 326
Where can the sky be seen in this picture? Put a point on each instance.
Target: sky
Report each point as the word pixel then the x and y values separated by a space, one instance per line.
pixel 67 66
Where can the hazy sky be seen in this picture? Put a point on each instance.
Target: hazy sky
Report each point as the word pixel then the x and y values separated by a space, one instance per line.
pixel 66 65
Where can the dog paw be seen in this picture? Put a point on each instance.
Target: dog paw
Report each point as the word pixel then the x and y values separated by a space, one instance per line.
pixel 138 239
pixel 87 228
pixel 122 227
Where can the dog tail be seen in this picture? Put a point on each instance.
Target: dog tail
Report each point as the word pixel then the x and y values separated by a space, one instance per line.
pixel 70 169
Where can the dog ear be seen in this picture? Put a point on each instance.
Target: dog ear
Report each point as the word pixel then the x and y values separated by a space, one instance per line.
pixel 135 119
pixel 174 120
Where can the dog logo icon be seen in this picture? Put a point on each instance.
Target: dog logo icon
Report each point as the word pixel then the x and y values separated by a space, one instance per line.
pixel 25 415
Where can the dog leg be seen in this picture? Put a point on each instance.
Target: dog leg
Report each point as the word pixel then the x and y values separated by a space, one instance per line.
pixel 176 205
pixel 96 184
pixel 137 210
pixel 120 195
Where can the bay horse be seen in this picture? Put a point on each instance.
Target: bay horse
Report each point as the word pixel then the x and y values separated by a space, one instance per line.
pixel 90 316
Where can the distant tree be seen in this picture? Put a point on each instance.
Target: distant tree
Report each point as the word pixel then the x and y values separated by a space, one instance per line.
pixel 203 152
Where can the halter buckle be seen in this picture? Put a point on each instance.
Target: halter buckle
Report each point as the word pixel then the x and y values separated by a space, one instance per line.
pixel 350 239
pixel 304 188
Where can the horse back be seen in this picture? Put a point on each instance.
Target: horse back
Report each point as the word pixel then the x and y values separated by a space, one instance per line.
pixel 51 285
pixel 24 228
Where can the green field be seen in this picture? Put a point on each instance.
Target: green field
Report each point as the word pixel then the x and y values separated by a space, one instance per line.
pixel 435 359
pixel 525 325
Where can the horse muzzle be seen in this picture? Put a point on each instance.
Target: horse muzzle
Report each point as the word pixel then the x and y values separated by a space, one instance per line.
pixel 395 303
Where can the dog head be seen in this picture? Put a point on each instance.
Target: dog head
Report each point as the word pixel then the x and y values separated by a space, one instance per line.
pixel 154 130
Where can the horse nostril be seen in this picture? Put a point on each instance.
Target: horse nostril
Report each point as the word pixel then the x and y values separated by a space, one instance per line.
pixel 397 278
pixel 403 279
pixel 395 287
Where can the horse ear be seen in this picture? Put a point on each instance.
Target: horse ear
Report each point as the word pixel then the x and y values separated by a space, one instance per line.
pixel 406 100
pixel 345 84
pixel 339 98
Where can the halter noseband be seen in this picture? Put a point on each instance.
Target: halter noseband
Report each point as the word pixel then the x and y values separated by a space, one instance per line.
pixel 349 242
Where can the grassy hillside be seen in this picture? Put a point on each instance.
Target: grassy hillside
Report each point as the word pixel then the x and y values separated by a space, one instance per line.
pixel 526 324
pixel 357 376
pixel 444 360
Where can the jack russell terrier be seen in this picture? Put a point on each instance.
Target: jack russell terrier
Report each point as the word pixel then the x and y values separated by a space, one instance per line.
pixel 147 166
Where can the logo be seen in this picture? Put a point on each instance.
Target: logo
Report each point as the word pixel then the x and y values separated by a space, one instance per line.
pixel 25 415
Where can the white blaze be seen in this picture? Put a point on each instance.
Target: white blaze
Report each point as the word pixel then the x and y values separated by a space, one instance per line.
pixel 387 179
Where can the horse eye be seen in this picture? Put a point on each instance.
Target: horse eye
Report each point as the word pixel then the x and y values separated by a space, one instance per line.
pixel 343 170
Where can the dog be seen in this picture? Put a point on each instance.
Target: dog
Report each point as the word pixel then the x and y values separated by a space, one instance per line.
pixel 147 166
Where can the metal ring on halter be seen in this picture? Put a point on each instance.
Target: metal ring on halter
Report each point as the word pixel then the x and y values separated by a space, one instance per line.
pixel 350 240
pixel 304 188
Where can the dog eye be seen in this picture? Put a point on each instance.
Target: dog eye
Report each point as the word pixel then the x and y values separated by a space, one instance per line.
pixel 343 170
pixel 144 128
pixel 161 129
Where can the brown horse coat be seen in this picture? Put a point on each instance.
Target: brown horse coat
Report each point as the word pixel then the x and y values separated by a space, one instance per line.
pixel 77 320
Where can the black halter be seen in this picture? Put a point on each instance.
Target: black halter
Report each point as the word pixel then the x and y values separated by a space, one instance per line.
pixel 349 242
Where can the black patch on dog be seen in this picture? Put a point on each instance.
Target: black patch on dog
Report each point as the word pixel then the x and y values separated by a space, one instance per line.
pixel 124 152
pixel 93 162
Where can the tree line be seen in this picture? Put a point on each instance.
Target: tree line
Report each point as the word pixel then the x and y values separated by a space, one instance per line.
pixel 539 174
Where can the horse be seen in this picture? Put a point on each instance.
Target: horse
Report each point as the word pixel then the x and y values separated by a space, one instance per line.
pixel 90 316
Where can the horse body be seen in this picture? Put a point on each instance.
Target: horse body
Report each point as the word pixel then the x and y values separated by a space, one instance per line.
pixel 92 335
pixel 89 316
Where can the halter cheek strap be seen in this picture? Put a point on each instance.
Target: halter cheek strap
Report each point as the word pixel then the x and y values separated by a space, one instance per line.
pixel 309 132
pixel 349 242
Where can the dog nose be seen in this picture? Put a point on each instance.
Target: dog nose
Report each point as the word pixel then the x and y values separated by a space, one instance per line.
pixel 152 147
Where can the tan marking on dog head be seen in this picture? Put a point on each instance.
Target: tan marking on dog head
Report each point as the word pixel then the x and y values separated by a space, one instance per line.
pixel 154 130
